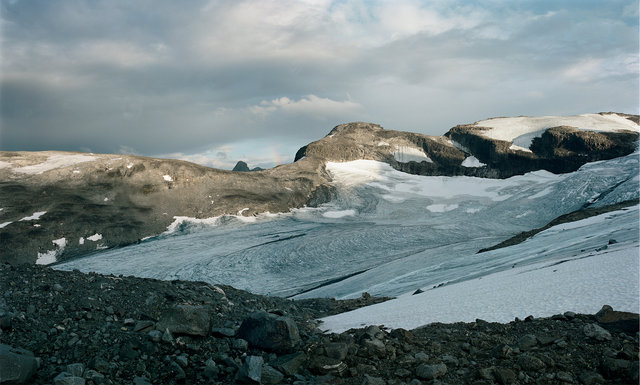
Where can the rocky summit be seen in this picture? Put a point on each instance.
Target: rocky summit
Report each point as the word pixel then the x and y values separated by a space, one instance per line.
pixel 61 327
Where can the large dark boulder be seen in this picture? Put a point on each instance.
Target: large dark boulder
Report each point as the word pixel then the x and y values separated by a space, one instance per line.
pixel 269 332
pixel 17 366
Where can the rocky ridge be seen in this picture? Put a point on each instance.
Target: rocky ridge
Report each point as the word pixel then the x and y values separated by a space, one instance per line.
pixel 56 206
pixel 61 327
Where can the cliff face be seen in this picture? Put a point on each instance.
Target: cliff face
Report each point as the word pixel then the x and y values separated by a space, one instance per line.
pixel 56 205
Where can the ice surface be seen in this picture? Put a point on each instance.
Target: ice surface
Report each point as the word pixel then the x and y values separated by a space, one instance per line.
pixel 55 161
pixel 579 280
pixel 521 130
pixel 392 244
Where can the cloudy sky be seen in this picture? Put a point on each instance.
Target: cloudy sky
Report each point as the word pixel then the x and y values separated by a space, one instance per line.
pixel 218 81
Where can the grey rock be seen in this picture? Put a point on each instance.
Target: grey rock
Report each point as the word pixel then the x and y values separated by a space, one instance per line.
pixel 240 344
pixel 251 371
pixel 530 363
pixel 16 365
pixel 337 350
pixel 430 372
pixel 182 360
pixel 167 336
pixel 324 365
pixel 614 368
pixel 141 381
pixel 421 357
pixel 504 376
pixel 290 364
pixel 591 378
pixel 223 332
pixel 271 375
pixel 94 376
pixel 155 335
pixel 370 380
pixel 142 326
pixel 186 319
pixel 76 369
pixel 564 377
pixel 596 332
pixel 211 369
pixel 269 332
pixel 57 287
pixel 502 351
pixel 100 364
pixel 66 378
pixel 527 342
pixel 177 371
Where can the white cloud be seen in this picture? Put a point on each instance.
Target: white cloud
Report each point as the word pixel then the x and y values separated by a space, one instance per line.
pixel 310 105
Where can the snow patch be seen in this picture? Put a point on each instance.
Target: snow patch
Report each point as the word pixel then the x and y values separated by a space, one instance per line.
pixel 95 237
pixel 34 217
pixel 5 224
pixel 541 289
pixel 53 162
pixel 404 154
pixel 130 165
pixel 380 144
pixel 521 130
pixel 49 257
pixel 441 208
pixel 4 164
pixel 472 161
pixel 339 213
pixel 81 241
pixel 168 178
pixel 106 199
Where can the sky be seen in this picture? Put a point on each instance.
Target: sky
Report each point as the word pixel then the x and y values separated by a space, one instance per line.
pixel 215 82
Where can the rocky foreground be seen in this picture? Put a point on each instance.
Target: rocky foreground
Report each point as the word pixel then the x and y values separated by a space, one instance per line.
pixel 71 328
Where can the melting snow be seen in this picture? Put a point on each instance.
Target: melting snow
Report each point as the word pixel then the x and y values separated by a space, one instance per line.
pixel 34 217
pixel 167 178
pixel 55 161
pixel 472 161
pixel 50 256
pixel 581 284
pixel 406 154
pixel 521 130
pixel 441 208
pixel 81 241
pixel 339 213
pixel 95 237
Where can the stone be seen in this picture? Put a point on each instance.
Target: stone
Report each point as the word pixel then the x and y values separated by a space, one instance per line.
pixel 211 369
pixel 530 363
pixel 618 320
pixel 186 319
pixel 143 326
pixel 223 332
pixel 564 377
pixel 251 371
pixel 270 332
pixel 240 344
pixel 614 368
pixel 324 365
pixel 167 336
pixel 421 357
pixel 504 376
pixel 57 287
pixel 140 381
pixel 155 335
pixel 176 371
pixel 16 365
pixel 100 364
pixel 66 378
pixel 290 364
pixel 596 332
pixel 502 351
pixel 527 342
pixel 92 375
pixel 370 380
pixel 591 378
pixel 76 369
pixel 431 372
pixel 271 375
pixel 182 360
pixel 337 350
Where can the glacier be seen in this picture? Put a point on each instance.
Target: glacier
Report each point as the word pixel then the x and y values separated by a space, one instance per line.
pixel 385 232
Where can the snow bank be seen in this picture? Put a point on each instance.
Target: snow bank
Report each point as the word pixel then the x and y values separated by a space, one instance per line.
pixel 35 216
pixel 55 161
pixel 404 154
pixel 581 284
pixel 472 161
pixel 521 130
pixel 49 257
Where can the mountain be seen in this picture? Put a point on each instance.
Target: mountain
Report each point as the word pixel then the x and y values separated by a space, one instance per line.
pixel 57 206
pixel 243 167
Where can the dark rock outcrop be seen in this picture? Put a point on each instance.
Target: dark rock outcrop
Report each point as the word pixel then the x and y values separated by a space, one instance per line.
pixel 17 366
pixel 269 332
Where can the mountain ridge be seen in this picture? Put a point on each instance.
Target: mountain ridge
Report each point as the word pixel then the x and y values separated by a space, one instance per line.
pixel 86 202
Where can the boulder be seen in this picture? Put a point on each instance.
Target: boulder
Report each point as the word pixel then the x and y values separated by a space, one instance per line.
pixel 251 371
pixel 269 332
pixel 186 319
pixel 16 365
pixel 618 320
pixel 596 332
pixel 431 372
